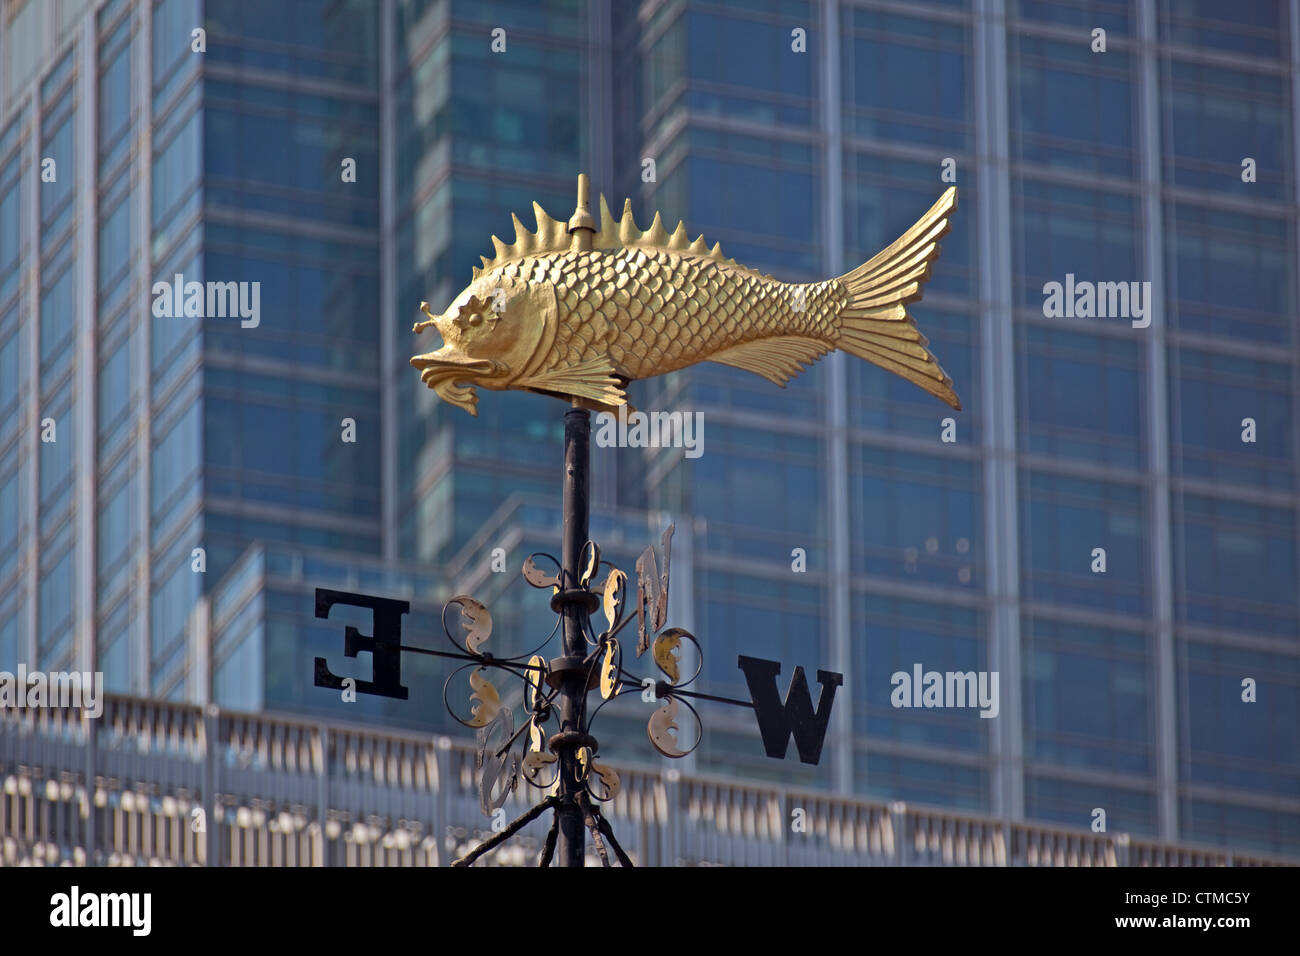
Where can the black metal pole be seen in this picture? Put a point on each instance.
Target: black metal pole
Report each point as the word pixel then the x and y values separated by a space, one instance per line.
pixel 573 677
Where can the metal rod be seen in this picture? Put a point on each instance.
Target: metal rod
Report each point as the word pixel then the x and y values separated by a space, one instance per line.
pixel 522 727
pixel 499 838
pixel 679 692
pixel 548 848
pixel 513 737
pixel 605 828
pixel 573 686
pixel 472 658
pixel 622 624
pixel 590 818
pixel 718 700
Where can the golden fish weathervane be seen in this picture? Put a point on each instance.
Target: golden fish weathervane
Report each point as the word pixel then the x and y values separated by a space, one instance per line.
pixel 577 312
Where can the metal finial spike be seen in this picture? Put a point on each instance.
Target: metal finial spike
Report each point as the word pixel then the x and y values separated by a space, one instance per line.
pixel 581 224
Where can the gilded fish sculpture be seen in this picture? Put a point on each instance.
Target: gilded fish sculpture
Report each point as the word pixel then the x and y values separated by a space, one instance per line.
pixel 578 312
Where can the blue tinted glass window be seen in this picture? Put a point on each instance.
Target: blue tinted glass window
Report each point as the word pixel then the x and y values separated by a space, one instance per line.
pixel 54 612
pixel 301 37
pixel 737 478
pixel 1230 273
pixel 58 147
pixel 899 635
pixel 58 315
pixel 760 617
pixel 271 179
pixel 173 22
pixel 313 468
pixel 1079 396
pixel 115 387
pixel 11 377
pixel 1237 825
pixel 523 115
pixel 1253 748
pixel 915 517
pixel 113 657
pixel 116 532
pixel 176 169
pixel 55 82
pixel 115 245
pixel 906 79
pixel 1065 664
pixel 10 228
pixel 175 458
pixel 9 514
pixel 888 776
pixel 1064 522
pixel 312 311
pixel 9 642
pixel 1236 564
pixel 1246 26
pixel 750 53
pixel 172 602
pixel 1110 15
pixel 1218 116
pixel 1089 234
pixel 170 330
pixel 1072 108
pixel 1211 397
pixel 56 455
pixel 115 96
pixel 664 65
pixel 721 199
pixel 1071 802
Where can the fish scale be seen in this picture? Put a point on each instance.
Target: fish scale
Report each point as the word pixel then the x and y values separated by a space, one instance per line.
pixel 658 285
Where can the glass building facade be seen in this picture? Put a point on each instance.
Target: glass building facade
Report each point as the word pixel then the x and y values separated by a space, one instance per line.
pixel 804 135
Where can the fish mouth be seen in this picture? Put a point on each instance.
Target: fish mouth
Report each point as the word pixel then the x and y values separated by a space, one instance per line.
pixel 443 374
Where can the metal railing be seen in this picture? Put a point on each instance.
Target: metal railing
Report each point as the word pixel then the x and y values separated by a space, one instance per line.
pixel 152 783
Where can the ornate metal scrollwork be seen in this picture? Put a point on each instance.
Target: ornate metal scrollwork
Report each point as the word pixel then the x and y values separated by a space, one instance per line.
pixel 543 757
pixel 538 763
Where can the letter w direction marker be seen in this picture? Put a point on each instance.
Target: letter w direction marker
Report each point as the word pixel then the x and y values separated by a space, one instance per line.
pixel 778 721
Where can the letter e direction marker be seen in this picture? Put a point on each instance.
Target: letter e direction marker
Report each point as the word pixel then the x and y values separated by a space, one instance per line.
pixel 513 328
pixel 384 647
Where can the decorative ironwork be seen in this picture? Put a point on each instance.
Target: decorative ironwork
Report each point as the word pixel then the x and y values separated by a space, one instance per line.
pixel 500 768
pixel 578 311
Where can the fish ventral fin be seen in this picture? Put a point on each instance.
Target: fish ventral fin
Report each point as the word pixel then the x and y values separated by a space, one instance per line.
pixel 552 236
pixel 777 359
pixel 875 325
pixel 593 383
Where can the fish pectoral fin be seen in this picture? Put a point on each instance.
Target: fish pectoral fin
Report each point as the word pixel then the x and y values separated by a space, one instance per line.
pixel 593 381
pixel 777 359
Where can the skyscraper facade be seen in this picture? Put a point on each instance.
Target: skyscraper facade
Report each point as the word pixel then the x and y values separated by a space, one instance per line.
pixel 167 145
pixel 1109 524
pixel 1104 525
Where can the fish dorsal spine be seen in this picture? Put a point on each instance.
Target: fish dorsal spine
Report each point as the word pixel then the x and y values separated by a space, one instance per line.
pixel 552 235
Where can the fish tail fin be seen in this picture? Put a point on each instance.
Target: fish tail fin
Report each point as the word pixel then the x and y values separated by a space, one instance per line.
pixel 874 325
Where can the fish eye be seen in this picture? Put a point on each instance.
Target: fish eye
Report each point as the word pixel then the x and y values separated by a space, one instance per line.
pixel 476 319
